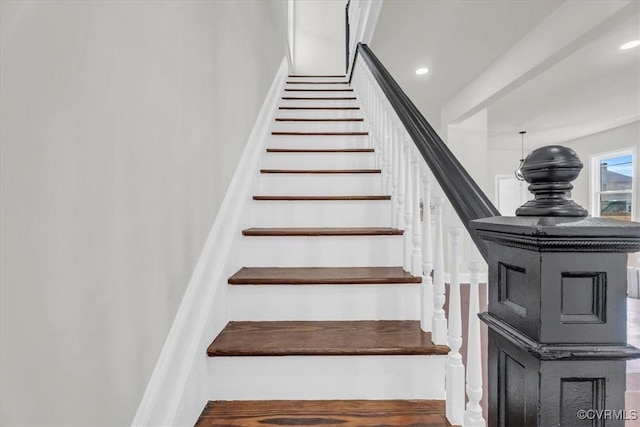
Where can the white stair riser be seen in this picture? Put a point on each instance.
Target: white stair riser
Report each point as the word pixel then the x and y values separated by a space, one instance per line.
pixel 319 127
pixel 326 377
pixel 317 86
pixel 318 103
pixel 325 302
pixel 319 114
pixel 319 141
pixel 321 251
pixel 275 184
pixel 319 94
pixel 343 213
pixel 319 161
pixel 344 79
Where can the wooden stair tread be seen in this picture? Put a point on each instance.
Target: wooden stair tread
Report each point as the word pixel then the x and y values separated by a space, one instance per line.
pixel 316 83
pixel 320 150
pixel 318 108
pixel 301 119
pixel 321 276
pixel 344 413
pixel 321 198
pixel 320 171
pixel 320 133
pixel 318 90
pixel 330 338
pixel 322 231
pixel 317 75
pixel 319 98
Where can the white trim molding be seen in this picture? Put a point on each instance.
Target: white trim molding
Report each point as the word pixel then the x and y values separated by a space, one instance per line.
pixel 291 34
pixel 363 18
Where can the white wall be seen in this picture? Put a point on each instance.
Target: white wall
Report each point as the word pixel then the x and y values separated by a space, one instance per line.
pixel 320 37
pixel 611 140
pixel 468 141
pixel 501 162
pixel 122 123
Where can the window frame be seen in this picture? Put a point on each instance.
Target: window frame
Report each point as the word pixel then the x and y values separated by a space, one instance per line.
pixel 594 180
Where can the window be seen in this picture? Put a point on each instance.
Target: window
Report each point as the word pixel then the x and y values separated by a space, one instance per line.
pixel 613 180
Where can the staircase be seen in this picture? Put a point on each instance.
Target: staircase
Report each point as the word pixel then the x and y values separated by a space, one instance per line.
pixel 331 239
pixel 325 323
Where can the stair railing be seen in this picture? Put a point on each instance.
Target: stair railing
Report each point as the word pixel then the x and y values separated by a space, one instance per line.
pixel 557 278
pixel 425 182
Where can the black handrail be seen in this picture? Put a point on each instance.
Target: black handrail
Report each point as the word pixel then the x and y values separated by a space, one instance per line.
pixel 465 195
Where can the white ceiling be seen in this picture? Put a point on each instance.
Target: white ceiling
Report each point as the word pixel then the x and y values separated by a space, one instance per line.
pixel 455 39
pixel 594 89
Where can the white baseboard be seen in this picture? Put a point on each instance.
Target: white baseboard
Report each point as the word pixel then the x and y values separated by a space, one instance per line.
pixel 164 397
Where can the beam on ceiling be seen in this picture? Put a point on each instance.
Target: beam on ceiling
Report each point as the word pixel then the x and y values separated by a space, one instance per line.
pixel 570 27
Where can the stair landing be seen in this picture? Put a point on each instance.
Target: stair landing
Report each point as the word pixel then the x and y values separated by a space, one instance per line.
pixel 344 413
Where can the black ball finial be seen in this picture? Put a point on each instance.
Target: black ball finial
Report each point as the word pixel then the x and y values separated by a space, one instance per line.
pixel 550 171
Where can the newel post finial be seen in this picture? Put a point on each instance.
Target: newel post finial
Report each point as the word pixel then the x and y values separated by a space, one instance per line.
pixel 550 171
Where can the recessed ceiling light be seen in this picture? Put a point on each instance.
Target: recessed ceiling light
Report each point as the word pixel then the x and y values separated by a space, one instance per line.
pixel 421 71
pixel 627 45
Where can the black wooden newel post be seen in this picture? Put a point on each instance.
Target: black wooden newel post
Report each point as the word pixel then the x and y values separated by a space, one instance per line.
pixel 557 305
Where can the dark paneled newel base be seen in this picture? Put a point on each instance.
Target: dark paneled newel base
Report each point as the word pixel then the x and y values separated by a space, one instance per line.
pixel 557 320
pixel 528 391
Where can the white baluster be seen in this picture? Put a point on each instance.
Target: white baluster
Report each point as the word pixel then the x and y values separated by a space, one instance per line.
pixel 386 178
pixel 455 368
pixel 400 179
pixel 438 321
pixel 383 131
pixel 369 100
pixel 379 134
pixel 426 290
pixel 408 202
pixel 375 111
pixel 367 88
pixel 359 84
pixel 389 162
pixel 416 254
pixel 395 206
pixel 355 83
pixel 473 415
pixel 381 149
